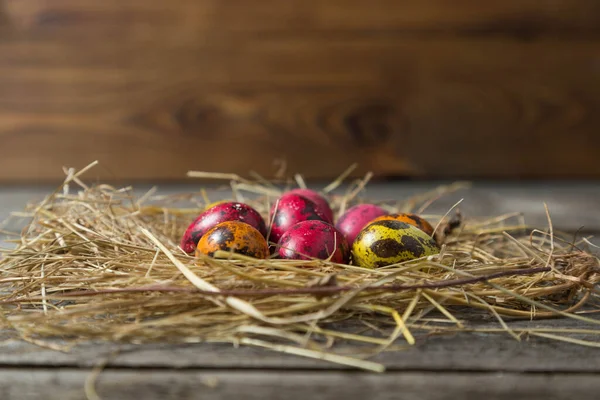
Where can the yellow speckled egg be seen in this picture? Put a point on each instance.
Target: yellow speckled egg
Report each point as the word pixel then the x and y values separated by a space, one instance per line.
pixel 386 242
pixel 411 219
pixel 235 236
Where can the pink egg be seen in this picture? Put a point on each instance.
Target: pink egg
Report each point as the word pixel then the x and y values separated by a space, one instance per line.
pixel 289 210
pixel 319 199
pixel 314 239
pixel 356 218
pixel 227 211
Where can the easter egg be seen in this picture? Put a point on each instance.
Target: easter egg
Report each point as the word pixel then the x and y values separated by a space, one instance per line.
pixel 289 210
pixel 235 236
pixel 314 239
pixel 412 219
pixel 356 218
pixel 227 211
pixel 318 199
pixel 386 242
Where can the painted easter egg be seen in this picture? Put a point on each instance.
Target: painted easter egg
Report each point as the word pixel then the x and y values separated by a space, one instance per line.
pixel 289 210
pixel 386 242
pixel 235 236
pixel 227 211
pixel 356 218
pixel 318 199
pixel 412 219
pixel 314 239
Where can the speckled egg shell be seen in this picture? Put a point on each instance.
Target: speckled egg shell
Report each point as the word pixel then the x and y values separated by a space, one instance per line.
pixel 227 211
pixel 314 239
pixel 386 242
pixel 356 218
pixel 235 236
pixel 412 219
pixel 318 199
pixel 288 211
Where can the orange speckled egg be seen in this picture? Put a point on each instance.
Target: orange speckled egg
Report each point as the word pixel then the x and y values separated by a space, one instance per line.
pixel 236 236
pixel 411 219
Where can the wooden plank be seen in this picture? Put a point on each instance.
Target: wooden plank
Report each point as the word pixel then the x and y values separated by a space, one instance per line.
pixel 68 384
pixel 403 88
pixel 396 106
pixel 519 17
pixel 438 353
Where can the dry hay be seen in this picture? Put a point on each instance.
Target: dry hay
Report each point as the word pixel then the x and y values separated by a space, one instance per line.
pixel 97 263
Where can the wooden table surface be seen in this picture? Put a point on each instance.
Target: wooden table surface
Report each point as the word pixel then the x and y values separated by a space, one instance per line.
pixel 465 366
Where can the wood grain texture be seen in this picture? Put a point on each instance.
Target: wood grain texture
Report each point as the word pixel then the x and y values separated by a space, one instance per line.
pixel 578 17
pixel 449 353
pixel 153 88
pixel 24 384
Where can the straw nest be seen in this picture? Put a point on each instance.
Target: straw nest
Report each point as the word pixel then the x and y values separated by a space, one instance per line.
pixel 97 263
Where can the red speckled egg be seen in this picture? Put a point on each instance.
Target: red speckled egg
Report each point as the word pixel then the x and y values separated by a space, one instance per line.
pixel 289 210
pixel 228 211
pixel 318 199
pixel 314 239
pixel 356 218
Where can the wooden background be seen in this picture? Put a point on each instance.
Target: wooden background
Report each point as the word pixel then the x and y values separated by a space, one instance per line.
pixel 419 88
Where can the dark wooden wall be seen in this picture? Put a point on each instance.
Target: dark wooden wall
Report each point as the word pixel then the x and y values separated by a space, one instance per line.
pixel 425 88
